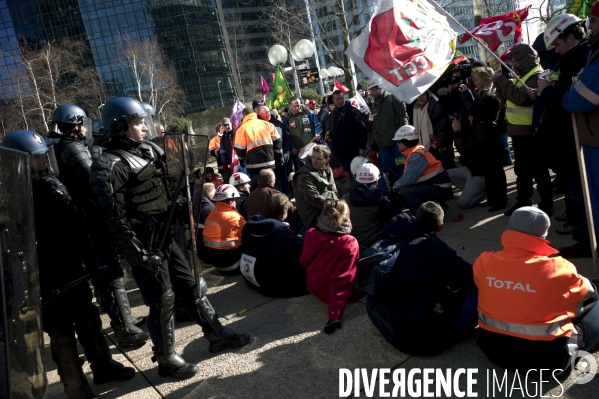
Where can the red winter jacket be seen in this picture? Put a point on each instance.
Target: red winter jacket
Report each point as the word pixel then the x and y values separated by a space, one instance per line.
pixel 330 275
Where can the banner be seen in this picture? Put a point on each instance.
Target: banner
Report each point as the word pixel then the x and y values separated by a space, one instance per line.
pixel 340 86
pixel 281 94
pixel 236 114
pixel 495 30
pixel 580 8
pixel 358 102
pixel 406 46
pixel 265 89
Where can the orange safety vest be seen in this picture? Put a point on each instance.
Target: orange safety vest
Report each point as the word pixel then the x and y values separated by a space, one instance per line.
pixel 524 293
pixel 433 167
pixel 214 143
pixel 222 228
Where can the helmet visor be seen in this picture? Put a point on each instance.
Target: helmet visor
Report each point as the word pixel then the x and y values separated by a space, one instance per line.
pixel 86 128
pixel 141 128
pixel 43 165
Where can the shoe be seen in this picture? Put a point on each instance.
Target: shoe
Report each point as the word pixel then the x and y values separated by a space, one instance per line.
pixel 518 205
pixel 112 371
pixel 127 337
pixel 566 229
pixel 498 207
pixel 227 339
pixel 578 250
pixel 562 218
pixel 187 370
pixel 485 204
pixel 546 207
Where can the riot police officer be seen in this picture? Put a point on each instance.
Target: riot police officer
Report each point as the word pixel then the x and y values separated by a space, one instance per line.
pixel 71 125
pixel 129 186
pixel 61 248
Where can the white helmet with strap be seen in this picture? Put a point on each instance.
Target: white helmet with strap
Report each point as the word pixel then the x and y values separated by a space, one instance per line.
pixel 556 26
pixel 367 173
pixel 225 192
pixel 406 132
pixel 238 178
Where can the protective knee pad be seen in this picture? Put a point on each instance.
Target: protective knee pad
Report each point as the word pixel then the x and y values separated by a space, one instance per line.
pixel 205 307
pixel 66 357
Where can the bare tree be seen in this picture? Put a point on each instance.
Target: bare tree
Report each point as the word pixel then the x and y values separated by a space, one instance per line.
pixel 155 80
pixel 47 76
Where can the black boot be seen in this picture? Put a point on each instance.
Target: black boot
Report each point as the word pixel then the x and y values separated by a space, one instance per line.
pixel 518 205
pixel 126 331
pixel 112 371
pixel 226 339
pixel 170 364
pixel 66 356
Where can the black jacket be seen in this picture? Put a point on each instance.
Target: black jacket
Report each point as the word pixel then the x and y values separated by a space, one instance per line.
pixel 404 310
pixel 370 211
pixel 348 132
pixel 277 268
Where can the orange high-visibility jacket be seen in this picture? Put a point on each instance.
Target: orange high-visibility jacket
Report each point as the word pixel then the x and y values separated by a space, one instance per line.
pixel 433 167
pixel 214 143
pixel 256 141
pixel 524 293
pixel 222 228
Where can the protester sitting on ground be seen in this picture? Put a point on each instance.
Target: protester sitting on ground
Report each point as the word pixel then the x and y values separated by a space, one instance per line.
pixel 535 310
pixel 330 254
pixel 270 260
pixel 313 184
pixel 428 299
pixel 222 232
pixel 241 182
pixel 211 177
pixel 206 204
pixel 370 210
pixel 424 178
pixel 342 180
pixel 257 202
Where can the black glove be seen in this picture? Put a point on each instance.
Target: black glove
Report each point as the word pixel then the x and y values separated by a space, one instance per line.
pixel 331 326
pixel 152 262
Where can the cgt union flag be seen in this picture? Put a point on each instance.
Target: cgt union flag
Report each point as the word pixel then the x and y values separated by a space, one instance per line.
pixel 495 30
pixel 406 46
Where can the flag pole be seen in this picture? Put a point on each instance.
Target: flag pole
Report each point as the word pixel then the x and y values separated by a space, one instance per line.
pixel 484 45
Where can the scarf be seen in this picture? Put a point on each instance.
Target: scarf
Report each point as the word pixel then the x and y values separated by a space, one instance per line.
pixel 325 225
pixel 423 125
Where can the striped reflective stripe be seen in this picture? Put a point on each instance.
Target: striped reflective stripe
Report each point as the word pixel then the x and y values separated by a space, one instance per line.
pixel 525 110
pixel 429 175
pixel 225 244
pixel 241 147
pixel 524 329
pixel 258 143
pixel 587 93
pixel 259 165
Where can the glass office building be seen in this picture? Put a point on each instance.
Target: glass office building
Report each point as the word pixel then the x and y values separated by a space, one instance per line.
pixel 188 32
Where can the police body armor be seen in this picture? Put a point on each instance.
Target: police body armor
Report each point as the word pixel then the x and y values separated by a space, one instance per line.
pixel 74 162
pixel 22 366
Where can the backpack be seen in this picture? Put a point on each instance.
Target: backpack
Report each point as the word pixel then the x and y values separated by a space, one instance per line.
pixel 376 265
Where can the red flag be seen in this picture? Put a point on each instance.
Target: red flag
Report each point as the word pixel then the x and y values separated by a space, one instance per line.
pixel 340 86
pixel 494 30
pixel 456 61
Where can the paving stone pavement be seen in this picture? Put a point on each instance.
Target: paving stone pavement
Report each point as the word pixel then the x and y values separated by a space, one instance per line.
pixel 289 355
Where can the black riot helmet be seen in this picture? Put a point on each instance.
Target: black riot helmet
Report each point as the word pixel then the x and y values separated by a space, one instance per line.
pixel 69 118
pixel 42 159
pixel 119 113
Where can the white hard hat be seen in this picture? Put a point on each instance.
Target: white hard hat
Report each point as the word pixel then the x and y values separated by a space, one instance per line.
pixel 356 163
pixel 225 192
pixel 238 178
pixel 406 132
pixel 371 84
pixel 556 26
pixel 367 173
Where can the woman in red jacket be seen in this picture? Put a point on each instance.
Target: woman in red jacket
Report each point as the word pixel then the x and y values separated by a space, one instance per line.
pixel 330 255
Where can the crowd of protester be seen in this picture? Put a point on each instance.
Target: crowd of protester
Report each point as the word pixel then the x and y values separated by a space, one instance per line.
pixel 348 204
pixel 337 203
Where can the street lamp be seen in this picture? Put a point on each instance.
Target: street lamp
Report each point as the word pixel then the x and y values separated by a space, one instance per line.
pixel 221 96
pixel 302 50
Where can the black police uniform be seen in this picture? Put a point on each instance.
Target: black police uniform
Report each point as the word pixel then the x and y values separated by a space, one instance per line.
pixel 129 186
pixel 74 162
pixel 61 248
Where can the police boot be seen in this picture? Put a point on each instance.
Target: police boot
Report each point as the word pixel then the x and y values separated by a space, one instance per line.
pixel 126 331
pixel 163 337
pixel 64 353
pixel 220 338
pixel 111 371
pixel 97 351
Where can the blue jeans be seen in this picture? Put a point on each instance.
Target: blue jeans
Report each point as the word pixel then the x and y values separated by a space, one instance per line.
pixel 591 320
pixel 591 160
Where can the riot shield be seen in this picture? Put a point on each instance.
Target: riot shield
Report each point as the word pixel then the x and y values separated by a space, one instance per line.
pixel 22 367
pixel 184 155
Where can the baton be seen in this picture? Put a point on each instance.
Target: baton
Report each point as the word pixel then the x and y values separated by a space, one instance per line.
pixel 73 283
